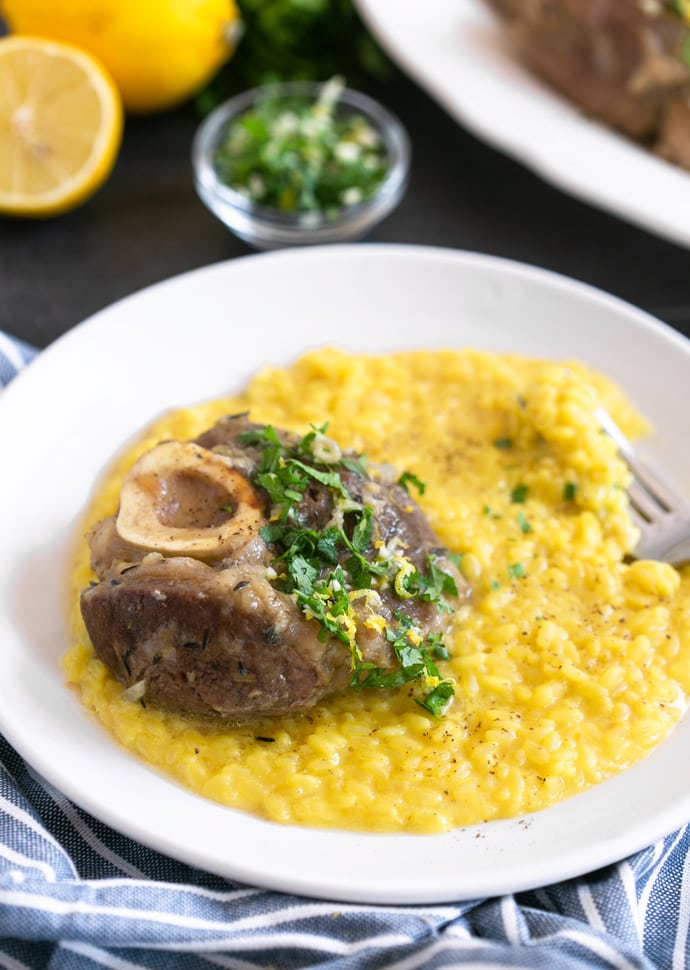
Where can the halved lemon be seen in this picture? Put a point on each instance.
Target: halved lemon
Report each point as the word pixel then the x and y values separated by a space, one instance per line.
pixel 60 126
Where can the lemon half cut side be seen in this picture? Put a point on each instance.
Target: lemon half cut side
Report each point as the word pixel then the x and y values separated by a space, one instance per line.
pixel 61 125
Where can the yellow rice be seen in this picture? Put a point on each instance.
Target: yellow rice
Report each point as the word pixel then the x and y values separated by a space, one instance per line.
pixel 570 664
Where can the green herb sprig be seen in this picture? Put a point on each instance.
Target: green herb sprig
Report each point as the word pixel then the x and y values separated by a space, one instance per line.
pixel 415 661
pixel 325 569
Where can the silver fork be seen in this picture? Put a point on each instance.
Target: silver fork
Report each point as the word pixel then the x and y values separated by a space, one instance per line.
pixel 662 516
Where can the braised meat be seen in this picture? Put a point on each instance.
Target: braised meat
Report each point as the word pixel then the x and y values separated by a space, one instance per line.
pixel 251 573
pixel 622 61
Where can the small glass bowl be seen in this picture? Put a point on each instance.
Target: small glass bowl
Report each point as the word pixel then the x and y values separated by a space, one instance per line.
pixel 268 228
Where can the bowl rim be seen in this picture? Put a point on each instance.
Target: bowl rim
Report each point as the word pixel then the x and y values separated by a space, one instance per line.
pixel 393 133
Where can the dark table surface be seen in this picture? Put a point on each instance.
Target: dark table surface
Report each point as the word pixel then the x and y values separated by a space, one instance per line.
pixel 147 224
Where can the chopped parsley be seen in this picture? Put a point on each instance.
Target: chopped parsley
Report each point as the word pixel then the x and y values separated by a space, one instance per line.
pixel 302 155
pixel 569 492
pixel 525 525
pixel 407 478
pixel 415 659
pixel 519 493
pixel 503 444
pixel 327 570
pixel 517 570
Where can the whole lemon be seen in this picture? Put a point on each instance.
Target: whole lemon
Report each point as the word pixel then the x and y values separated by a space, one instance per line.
pixel 159 52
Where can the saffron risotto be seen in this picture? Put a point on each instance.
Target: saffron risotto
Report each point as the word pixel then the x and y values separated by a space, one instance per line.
pixel 570 663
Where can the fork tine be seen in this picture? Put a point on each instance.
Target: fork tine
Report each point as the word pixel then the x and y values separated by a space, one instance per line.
pixel 642 504
pixel 648 492
pixel 655 488
pixel 662 515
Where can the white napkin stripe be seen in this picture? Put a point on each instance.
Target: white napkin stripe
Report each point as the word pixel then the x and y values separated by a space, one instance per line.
pixel 589 907
pixel 228 962
pixel 665 849
pixel 98 955
pixel 681 942
pixel 627 877
pixel 34 900
pixel 85 832
pixel 595 945
pixel 510 920
pixel 26 862
pixel 17 813
pixel 454 942
pixel 313 910
pixel 11 963
pixel 175 889
pixel 11 350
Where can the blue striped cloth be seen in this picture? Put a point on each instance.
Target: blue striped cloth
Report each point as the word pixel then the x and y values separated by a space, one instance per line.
pixel 14 355
pixel 76 895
